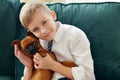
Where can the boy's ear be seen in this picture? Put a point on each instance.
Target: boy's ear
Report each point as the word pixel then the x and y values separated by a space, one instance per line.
pixel 31 34
pixel 53 13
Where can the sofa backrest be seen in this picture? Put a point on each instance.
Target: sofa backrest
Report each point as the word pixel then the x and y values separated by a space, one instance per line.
pixel 101 23
pixel 8 23
pixel 7 35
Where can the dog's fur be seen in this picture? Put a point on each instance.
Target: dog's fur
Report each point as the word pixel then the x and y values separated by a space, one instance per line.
pixel 41 74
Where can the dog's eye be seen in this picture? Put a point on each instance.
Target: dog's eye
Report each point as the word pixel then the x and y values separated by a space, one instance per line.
pixel 32 48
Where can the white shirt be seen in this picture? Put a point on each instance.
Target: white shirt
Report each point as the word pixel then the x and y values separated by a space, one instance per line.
pixel 71 44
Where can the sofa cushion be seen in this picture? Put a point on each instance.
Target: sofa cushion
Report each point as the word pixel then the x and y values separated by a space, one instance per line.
pixel 7 35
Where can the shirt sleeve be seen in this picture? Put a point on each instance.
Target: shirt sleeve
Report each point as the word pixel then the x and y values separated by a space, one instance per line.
pixel 23 74
pixel 80 48
pixel 22 78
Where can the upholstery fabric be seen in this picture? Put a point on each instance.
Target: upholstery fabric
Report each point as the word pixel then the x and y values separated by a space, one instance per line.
pixel 7 78
pixel 7 35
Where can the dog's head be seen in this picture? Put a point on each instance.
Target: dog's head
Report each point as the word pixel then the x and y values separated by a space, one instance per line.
pixel 29 45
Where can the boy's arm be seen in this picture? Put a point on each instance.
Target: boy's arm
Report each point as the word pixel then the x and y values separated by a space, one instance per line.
pixel 66 71
pixel 80 48
pixel 26 61
pixel 48 63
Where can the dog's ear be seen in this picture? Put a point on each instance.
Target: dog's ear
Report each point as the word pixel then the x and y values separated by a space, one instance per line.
pixel 16 42
pixel 31 34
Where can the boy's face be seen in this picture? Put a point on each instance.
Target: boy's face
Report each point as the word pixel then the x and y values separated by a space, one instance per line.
pixel 43 25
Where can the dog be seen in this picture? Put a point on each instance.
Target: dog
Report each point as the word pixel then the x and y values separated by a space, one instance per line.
pixel 29 46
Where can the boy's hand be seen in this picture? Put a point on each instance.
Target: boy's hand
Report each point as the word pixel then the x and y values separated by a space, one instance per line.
pixel 43 62
pixel 25 60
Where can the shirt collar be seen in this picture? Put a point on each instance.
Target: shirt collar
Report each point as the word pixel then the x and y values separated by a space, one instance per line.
pixel 58 33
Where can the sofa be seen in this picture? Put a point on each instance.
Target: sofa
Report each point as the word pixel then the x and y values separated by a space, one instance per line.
pixel 100 21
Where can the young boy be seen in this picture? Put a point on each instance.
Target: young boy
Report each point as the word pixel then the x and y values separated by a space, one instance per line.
pixel 69 44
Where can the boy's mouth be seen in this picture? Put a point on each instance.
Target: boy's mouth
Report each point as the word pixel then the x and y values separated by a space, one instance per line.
pixel 47 35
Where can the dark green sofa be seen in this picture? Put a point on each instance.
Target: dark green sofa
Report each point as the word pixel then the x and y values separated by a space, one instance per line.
pixel 100 21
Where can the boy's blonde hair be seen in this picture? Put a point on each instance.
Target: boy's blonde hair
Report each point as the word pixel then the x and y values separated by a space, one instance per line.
pixel 28 10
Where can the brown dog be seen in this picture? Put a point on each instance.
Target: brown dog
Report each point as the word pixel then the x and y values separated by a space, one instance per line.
pixel 29 46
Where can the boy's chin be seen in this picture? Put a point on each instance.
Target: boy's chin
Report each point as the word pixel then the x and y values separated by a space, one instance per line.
pixel 48 39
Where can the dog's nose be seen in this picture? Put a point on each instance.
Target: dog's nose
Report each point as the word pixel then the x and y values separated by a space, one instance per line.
pixel 32 48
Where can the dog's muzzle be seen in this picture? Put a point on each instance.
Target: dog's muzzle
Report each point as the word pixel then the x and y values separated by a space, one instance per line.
pixel 32 48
